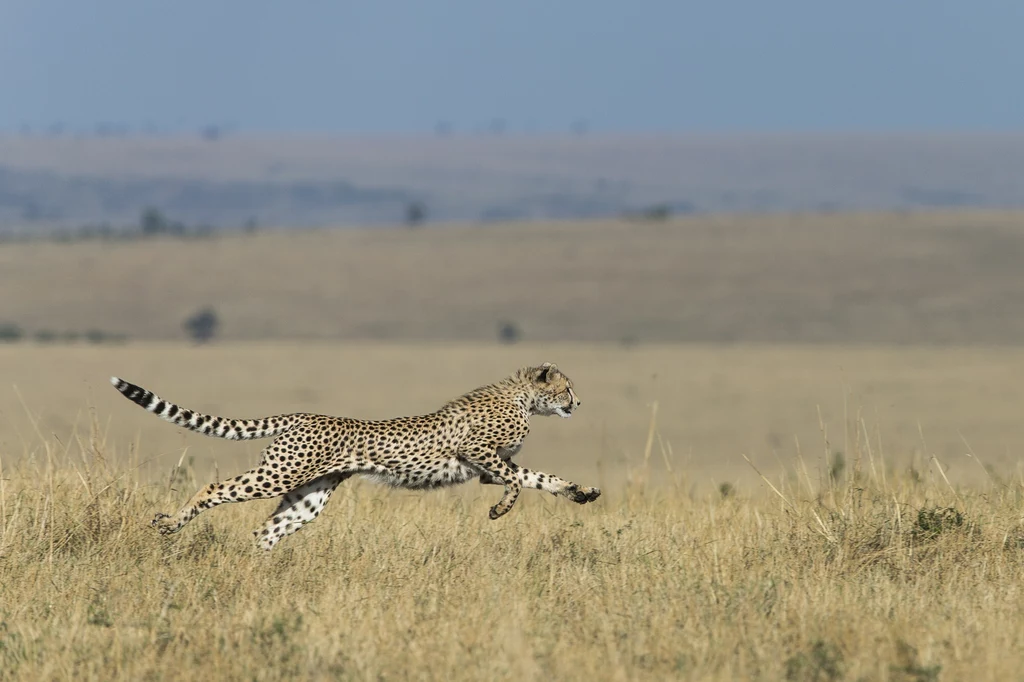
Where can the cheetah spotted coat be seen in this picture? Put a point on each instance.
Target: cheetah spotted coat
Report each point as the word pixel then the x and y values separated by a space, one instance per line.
pixel 472 436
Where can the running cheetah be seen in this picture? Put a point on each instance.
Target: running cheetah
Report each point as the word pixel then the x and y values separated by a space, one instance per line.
pixel 473 436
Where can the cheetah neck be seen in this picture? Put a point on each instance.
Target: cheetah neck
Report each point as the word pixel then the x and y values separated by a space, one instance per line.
pixel 511 390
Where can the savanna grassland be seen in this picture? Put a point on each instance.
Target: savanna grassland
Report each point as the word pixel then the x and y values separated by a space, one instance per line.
pixel 808 430
pixel 875 575
pixel 857 556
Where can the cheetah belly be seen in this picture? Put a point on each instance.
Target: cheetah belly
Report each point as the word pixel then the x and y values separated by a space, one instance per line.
pixel 440 473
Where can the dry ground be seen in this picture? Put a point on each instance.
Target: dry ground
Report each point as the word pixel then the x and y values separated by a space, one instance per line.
pixel 887 578
pixel 943 278
pixel 714 404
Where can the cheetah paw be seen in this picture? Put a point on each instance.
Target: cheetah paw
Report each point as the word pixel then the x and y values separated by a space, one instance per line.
pixel 584 495
pixel 164 524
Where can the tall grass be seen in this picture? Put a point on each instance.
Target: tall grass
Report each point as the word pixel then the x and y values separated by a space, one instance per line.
pixel 860 572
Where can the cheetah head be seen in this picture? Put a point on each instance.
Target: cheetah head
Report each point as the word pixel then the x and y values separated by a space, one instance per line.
pixel 554 393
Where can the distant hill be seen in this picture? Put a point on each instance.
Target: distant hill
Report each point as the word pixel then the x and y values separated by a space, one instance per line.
pixel 307 180
pixel 951 277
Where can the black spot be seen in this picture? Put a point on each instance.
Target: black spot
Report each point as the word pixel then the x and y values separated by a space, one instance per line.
pixel 159 407
pixel 248 488
pixel 172 410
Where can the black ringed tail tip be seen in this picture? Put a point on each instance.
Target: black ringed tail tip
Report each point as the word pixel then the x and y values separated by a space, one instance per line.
pixel 136 394
pixel 220 427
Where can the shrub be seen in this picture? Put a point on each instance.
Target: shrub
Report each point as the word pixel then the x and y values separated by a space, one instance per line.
pixel 508 332
pixel 202 326
pixel 10 332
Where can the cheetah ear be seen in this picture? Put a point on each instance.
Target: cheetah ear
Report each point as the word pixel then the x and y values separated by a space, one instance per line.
pixel 548 371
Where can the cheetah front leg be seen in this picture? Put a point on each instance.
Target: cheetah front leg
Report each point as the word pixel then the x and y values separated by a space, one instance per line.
pixel 493 465
pixel 299 507
pixel 552 484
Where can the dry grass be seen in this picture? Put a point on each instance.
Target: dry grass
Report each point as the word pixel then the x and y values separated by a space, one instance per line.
pixel 882 578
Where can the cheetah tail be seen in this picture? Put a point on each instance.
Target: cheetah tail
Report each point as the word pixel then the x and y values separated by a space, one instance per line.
pixel 232 429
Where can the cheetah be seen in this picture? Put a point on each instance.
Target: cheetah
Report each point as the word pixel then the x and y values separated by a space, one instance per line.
pixel 473 436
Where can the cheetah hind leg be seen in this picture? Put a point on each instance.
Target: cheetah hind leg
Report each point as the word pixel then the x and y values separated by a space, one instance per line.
pixel 297 508
pixel 248 486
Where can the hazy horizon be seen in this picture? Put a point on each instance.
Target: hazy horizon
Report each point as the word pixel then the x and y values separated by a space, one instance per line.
pixel 49 181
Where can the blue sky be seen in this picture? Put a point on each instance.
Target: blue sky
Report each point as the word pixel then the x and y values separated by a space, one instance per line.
pixel 404 65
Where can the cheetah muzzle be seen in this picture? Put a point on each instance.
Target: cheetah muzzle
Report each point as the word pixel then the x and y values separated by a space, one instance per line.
pixel 473 436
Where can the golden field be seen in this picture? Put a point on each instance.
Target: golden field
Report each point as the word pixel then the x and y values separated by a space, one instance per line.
pixel 822 483
pixel 874 575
